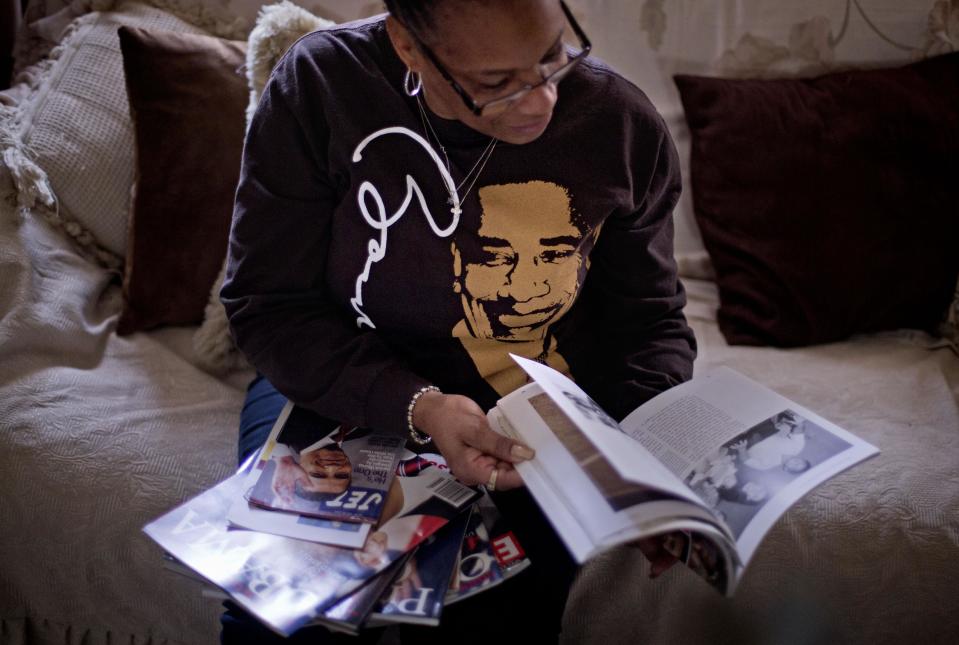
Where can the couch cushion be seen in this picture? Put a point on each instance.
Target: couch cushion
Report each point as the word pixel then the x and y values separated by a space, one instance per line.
pixel 828 205
pixel 187 97
pixel 77 125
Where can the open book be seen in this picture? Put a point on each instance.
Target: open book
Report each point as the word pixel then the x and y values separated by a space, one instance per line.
pixel 711 464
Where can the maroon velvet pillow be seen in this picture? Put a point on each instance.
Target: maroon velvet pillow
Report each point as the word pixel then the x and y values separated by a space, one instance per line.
pixel 829 206
pixel 187 99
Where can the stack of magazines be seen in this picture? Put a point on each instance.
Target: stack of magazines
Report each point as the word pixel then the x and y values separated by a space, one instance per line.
pixel 342 527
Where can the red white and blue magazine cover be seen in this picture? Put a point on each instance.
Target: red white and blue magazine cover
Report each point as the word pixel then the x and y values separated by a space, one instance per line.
pixel 490 553
pixel 315 467
pixel 418 591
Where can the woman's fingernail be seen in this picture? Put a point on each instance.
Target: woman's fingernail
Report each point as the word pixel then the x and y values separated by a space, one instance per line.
pixel 521 453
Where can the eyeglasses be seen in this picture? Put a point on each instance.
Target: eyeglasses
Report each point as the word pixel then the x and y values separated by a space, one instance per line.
pixel 549 73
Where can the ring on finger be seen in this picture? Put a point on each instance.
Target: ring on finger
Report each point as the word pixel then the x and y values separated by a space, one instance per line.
pixel 491 484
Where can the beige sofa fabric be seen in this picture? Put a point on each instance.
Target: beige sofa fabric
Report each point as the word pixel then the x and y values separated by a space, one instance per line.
pixel 102 434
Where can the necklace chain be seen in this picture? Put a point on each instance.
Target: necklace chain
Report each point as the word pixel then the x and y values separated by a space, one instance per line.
pixel 477 167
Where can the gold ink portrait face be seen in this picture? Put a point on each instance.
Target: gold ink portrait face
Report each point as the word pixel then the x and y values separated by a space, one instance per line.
pixel 525 273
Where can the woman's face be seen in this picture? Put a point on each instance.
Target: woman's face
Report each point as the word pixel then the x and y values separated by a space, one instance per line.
pixel 491 49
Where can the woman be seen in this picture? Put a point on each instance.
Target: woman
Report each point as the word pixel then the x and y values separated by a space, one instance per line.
pixel 420 197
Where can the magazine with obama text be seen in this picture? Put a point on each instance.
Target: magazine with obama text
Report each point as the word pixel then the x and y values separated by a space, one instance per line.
pixel 349 615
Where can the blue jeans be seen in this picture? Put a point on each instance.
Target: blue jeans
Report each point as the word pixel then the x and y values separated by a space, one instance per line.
pixel 527 608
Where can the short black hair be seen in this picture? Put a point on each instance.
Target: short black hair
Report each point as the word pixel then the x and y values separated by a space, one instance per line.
pixel 414 14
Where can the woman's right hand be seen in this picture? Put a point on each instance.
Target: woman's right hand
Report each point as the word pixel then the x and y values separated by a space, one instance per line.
pixel 463 436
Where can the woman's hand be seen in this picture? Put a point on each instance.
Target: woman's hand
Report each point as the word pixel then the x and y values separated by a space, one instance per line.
pixel 463 436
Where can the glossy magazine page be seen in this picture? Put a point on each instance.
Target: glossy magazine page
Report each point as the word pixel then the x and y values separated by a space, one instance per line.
pixel 303 527
pixel 349 614
pixel 417 593
pixel 489 554
pixel 313 467
pixel 287 582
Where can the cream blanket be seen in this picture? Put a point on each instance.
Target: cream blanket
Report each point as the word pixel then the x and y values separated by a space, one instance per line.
pixel 101 434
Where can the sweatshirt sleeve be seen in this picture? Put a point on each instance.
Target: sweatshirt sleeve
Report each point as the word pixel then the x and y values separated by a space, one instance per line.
pixel 275 294
pixel 642 344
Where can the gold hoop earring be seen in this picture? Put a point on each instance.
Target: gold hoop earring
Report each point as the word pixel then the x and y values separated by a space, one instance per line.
pixel 412 83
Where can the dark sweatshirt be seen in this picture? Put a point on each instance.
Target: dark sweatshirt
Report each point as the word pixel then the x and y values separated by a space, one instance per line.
pixel 351 283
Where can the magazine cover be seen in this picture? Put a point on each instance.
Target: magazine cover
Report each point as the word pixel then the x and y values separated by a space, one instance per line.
pixel 417 593
pixel 280 580
pixel 316 468
pixel 349 614
pixel 287 582
pixel 489 554
pixel 242 514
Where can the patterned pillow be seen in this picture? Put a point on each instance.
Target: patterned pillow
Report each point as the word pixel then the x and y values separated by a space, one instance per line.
pixel 76 128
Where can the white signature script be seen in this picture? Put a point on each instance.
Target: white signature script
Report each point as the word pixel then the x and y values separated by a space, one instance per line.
pixel 381 222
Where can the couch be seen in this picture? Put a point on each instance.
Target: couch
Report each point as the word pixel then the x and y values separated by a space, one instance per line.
pixel 120 392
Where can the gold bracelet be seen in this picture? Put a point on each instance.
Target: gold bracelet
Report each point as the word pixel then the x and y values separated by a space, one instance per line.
pixel 417 436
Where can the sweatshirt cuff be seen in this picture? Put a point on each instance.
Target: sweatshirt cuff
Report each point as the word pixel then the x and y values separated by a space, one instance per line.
pixel 388 398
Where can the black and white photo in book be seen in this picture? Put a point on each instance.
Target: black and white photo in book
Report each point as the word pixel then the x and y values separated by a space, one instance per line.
pixel 707 467
pixel 748 470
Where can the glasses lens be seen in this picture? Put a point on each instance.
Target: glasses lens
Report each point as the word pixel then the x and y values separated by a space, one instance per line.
pixel 500 105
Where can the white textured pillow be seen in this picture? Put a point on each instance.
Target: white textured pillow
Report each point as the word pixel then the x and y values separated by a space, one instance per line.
pixel 245 13
pixel 77 129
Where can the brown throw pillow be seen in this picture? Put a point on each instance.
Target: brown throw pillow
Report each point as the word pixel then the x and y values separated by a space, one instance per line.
pixel 829 206
pixel 187 100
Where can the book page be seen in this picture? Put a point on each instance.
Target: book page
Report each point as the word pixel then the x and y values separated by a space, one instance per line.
pixel 591 505
pixel 630 459
pixel 746 451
